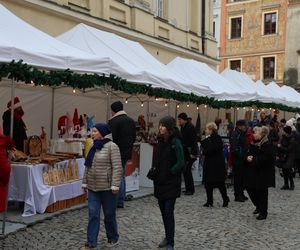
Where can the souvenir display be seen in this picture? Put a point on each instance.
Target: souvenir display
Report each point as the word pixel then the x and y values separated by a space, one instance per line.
pixel 34 146
pixel 60 173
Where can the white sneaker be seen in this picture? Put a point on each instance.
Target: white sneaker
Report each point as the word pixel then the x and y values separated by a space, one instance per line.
pixel 112 243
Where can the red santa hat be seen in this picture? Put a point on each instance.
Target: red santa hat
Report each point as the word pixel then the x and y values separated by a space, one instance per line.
pixel 17 103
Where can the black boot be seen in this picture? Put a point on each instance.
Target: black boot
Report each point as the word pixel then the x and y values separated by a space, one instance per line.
pixel 226 201
pixel 292 186
pixel 208 204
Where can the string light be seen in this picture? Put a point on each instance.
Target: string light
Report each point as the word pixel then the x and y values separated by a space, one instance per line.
pixel 166 104
pixel 197 107
pixel 74 91
pixel 126 101
pixel 205 106
pixel 252 109
pixel 237 108
pixel 42 85
pixel 188 105
pixel 142 104
pixel 178 106
pixel 263 110
pixel 244 108
pixel 156 99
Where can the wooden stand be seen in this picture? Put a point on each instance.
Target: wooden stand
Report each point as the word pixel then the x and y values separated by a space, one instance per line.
pixel 59 205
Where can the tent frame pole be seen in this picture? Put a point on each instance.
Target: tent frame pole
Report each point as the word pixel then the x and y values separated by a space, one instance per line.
pixel 52 112
pixel 11 134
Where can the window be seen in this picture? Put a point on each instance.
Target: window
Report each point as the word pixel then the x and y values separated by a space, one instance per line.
pixel 270 23
pixel 214 29
pixel 236 27
pixel 160 8
pixel 235 65
pixel 269 67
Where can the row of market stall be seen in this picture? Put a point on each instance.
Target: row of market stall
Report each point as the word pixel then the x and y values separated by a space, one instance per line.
pixel 87 69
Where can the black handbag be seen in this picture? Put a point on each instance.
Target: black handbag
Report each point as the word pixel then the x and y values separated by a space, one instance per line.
pixel 152 173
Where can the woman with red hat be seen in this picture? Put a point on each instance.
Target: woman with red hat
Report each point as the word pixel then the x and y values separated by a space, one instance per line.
pixel 6 143
pixel 19 129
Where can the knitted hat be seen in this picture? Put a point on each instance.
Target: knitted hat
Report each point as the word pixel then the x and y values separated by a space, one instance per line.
pixel 17 103
pixel 287 129
pixel 183 116
pixel 241 123
pixel 168 121
pixel 116 106
pixel 103 129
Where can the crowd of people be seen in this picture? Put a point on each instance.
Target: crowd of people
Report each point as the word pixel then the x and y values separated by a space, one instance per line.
pixel 256 149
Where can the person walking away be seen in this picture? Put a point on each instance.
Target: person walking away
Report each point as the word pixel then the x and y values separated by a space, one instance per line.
pixel 19 127
pixel 261 171
pixel 102 179
pixel 124 134
pixel 214 168
pixel 6 144
pixel 239 149
pixel 190 147
pixel 168 160
pixel 287 155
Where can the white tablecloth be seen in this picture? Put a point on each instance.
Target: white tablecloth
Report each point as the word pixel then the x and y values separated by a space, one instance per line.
pixel 60 145
pixel 26 184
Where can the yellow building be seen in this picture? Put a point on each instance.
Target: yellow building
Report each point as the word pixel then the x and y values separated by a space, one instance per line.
pixel 253 37
pixel 166 28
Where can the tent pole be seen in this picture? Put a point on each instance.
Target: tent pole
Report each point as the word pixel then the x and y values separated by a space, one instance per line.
pixel 11 134
pixel 52 113
pixel 108 100
pixel 148 113
pixel 206 120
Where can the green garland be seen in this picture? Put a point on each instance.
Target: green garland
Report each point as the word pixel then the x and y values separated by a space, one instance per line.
pixel 20 71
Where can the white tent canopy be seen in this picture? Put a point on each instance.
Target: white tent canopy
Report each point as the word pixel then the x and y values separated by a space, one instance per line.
pixel 202 75
pixel 21 41
pixel 243 82
pixel 130 60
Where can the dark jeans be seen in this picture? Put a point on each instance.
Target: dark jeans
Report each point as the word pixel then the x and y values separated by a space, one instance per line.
pixel 238 181
pixel 167 213
pixel 288 176
pixel 259 198
pixel 209 187
pixel 108 201
pixel 188 176
pixel 122 191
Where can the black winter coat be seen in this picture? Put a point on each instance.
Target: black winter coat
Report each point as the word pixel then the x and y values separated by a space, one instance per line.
pixel 287 152
pixel 19 130
pixel 189 140
pixel 168 159
pixel 260 173
pixel 214 168
pixel 239 147
pixel 124 133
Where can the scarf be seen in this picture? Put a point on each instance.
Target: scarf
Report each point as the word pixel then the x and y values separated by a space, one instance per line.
pixel 98 145
pixel 261 142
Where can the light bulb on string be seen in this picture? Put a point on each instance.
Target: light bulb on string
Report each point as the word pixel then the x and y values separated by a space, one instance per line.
pixel 74 91
pixel 156 98
pixel 178 106
pixel 237 108
pixel 142 104
pixel 42 85
pixel 166 104
pixel 244 108
pixel 205 106
pixel 126 101
pixel 197 107
pixel 188 105
pixel 252 109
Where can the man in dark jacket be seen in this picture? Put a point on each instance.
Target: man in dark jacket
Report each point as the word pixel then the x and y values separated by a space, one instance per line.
pixel 19 128
pixel 190 147
pixel 239 149
pixel 124 133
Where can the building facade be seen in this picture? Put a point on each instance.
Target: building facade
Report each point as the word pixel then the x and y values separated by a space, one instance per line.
pixel 253 38
pixel 166 28
pixel 292 52
pixel 217 23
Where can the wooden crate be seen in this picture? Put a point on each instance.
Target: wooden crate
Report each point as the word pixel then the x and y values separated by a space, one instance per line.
pixel 59 205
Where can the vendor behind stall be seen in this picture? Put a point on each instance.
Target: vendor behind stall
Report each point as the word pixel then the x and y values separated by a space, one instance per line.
pixel 19 129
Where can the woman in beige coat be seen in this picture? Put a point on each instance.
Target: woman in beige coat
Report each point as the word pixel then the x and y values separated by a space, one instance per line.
pixel 102 180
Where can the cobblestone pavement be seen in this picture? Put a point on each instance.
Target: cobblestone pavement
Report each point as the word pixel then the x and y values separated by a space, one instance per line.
pixel 140 225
